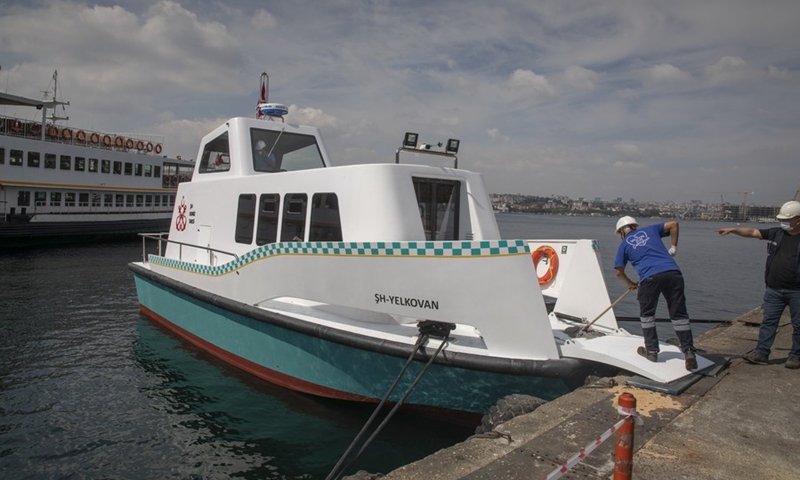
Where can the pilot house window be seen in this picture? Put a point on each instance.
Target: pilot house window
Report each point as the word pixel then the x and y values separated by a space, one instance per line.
pixel 269 208
pixel 294 217
pixel 245 218
pixel 438 202
pixel 326 226
pixel 216 155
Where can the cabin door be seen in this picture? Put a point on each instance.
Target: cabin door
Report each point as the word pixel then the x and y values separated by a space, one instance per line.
pixel 438 202
pixel 204 240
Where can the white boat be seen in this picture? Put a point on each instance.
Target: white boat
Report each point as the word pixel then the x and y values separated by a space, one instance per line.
pixel 59 183
pixel 325 279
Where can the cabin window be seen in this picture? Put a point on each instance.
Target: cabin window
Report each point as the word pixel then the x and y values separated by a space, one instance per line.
pixel 326 226
pixel 105 166
pixel 95 199
pixel 108 200
pixel 66 162
pixel 15 157
pixel 128 168
pixel 148 170
pixel 33 159
pixel 293 227
pixel 49 160
pixel 139 200
pixel 40 199
pixel 24 198
pixel 268 212
pixel 119 200
pixel 83 199
pixel 275 151
pixel 117 167
pixel 245 218
pixel 156 200
pixel 69 199
pixel 2 156
pixel 438 202
pixel 128 200
pixel 55 199
pixel 156 171
pixel 80 164
pixel 148 200
pixel 93 165
pixel 216 155
pixel 138 170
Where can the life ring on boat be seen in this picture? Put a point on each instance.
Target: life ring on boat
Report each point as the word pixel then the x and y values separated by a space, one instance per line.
pixel 66 134
pixel 119 142
pixel 94 138
pixel 35 129
pixel 140 145
pixel 552 263
pixel 129 143
pixel 149 147
pixel 157 148
pixel 52 131
pixel 107 140
pixel 80 136
pixel 16 126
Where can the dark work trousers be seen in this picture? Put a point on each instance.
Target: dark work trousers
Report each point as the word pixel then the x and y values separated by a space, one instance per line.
pixel 670 284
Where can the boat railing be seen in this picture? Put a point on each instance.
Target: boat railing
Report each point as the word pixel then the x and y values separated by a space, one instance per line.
pixel 161 238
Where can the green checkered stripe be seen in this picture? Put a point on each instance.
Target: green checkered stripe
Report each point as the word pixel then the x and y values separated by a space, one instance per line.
pixel 458 249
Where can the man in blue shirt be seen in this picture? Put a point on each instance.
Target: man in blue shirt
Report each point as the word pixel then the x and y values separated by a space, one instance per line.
pixel 782 276
pixel 658 275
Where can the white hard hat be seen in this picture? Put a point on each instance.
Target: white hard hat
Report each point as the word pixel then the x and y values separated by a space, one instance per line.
pixel 261 145
pixel 624 222
pixel 789 210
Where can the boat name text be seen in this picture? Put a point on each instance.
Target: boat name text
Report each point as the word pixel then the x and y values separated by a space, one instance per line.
pixel 407 301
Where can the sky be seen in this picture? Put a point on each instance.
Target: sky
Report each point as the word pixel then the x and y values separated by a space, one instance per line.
pixel 646 99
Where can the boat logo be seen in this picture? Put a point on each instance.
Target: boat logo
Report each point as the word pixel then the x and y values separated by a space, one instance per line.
pixel 638 239
pixel 180 223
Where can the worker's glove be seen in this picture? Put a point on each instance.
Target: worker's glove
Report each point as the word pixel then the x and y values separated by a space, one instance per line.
pixel 673 250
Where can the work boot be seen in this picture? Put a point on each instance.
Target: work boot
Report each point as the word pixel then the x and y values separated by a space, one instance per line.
pixel 691 361
pixel 652 356
pixel 757 358
pixel 793 363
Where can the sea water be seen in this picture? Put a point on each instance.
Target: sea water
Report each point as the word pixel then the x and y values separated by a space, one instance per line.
pixel 91 389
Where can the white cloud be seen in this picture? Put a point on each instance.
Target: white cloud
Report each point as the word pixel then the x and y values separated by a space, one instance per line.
pixel 580 78
pixel 730 70
pixel 494 134
pixel 627 149
pixel 664 73
pixel 530 83
pixel 314 117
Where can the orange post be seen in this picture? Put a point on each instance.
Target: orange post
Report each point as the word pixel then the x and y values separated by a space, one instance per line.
pixel 623 455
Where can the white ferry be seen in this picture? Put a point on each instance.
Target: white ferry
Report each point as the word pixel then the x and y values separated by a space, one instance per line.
pixel 326 279
pixel 60 184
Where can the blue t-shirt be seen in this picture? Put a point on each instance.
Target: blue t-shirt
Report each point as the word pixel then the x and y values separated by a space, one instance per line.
pixel 646 252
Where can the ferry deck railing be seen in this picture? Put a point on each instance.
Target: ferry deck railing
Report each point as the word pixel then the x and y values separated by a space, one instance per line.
pixel 160 238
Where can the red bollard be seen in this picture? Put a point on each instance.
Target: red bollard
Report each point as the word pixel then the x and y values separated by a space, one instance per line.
pixel 623 455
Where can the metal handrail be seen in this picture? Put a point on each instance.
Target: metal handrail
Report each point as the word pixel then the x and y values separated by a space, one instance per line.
pixel 160 238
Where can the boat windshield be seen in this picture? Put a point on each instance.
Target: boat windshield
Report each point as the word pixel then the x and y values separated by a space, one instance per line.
pixel 280 151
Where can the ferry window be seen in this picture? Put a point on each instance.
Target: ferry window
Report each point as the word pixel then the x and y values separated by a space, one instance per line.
pixel 83 199
pixel 156 200
pixel 69 199
pixel 128 200
pixel 108 200
pixel 268 212
pixel 15 157
pixel 49 160
pixel 148 170
pixel 24 198
pixel 40 199
pixel 326 226
pixel 156 171
pixel 128 168
pixel 33 159
pixel 293 228
pixel 105 166
pixel 117 167
pixel 438 202
pixel 138 170
pixel 148 200
pixel 216 155
pixel 80 164
pixel 95 199
pixel 280 151
pixel 66 162
pixel 139 200
pixel 245 218
pixel 119 200
pixel 55 199
pixel 93 165
pixel 2 156
pixel 170 178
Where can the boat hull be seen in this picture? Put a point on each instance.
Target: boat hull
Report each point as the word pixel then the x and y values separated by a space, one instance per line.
pixel 29 234
pixel 320 361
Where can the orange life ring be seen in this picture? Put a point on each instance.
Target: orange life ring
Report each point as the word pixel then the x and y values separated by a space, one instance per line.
pixel 129 143
pixel 552 263
pixel 119 142
pixel 157 148
pixel 66 134
pixel 52 131
pixel 149 147
pixel 107 140
pixel 94 138
pixel 16 126
pixel 140 145
pixel 80 136
pixel 35 129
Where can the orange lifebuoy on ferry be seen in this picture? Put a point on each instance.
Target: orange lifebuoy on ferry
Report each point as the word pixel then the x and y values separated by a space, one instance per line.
pixel 107 140
pixel 94 138
pixel 149 147
pixel 16 126
pixel 129 143
pixel 80 136
pixel 157 148
pixel 35 129
pixel 119 142
pixel 552 263
pixel 52 131
pixel 66 134
pixel 140 145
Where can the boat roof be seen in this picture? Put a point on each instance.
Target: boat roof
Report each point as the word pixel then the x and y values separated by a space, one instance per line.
pixel 8 99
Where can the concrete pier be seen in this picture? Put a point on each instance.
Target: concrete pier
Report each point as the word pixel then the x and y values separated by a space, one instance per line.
pixel 742 423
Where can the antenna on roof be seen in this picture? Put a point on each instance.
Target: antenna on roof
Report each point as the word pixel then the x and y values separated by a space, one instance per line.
pixel 266 110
